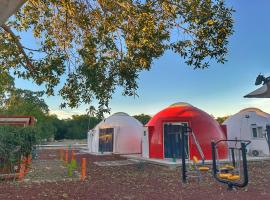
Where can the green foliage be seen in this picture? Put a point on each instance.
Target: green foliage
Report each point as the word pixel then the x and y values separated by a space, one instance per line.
pixel 143 118
pixel 25 102
pixel 77 127
pixel 73 164
pixel 6 85
pixel 71 167
pixel 220 120
pixel 60 128
pixel 104 44
pixel 15 142
pixel 28 103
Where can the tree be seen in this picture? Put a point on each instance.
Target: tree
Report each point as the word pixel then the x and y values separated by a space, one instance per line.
pixel 220 120
pixel 77 127
pixel 61 128
pixel 26 102
pixel 143 118
pixel 100 45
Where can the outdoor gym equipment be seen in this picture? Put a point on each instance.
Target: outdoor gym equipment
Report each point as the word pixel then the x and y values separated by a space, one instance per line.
pixel 230 174
pixel 185 130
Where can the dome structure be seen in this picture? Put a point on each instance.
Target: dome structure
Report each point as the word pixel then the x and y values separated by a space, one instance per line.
pixel 256 111
pixel 119 133
pixel 163 144
pixel 250 124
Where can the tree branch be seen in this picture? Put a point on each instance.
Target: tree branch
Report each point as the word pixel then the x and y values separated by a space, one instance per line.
pixel 185 29
pixel 30 65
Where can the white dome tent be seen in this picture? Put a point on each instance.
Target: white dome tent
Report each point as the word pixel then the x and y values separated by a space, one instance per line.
pixel 250 124
pixel 119 133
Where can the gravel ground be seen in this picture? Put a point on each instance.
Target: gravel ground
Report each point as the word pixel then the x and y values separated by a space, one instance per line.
pixel 48 171
pixel 135 182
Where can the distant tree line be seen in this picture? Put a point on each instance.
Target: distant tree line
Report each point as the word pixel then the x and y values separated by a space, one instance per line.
pixel 144 119
pixel 220 120
pixel 74 128
pixel 29 103
pixel 26 102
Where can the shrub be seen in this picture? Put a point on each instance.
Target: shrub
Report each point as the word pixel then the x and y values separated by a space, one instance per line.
pixel 15 142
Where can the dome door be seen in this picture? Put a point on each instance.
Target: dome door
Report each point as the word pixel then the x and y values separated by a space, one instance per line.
pixel 106 136
pixel 173 140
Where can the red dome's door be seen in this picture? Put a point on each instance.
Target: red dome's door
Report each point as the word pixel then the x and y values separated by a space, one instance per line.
pixel 173 141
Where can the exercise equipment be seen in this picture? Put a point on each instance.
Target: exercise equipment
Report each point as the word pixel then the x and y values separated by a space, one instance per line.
pixel 186 131
pixel 234 174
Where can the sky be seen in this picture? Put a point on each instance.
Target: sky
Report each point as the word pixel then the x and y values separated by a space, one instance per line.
pixel 218 90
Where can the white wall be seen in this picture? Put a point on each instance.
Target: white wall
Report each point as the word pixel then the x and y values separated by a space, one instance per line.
pixel 145 143
pixel 240 126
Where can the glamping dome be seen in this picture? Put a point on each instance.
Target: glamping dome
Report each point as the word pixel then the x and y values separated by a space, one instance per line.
pixel 119 133
pixel 162 139
pixel 250 124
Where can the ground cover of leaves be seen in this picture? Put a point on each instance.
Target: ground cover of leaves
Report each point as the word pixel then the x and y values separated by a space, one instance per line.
pixel 133 182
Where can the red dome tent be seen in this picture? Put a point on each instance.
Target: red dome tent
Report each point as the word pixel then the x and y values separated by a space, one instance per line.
pixel 204 126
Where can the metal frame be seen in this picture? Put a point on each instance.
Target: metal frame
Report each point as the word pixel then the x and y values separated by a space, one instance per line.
pixel 231 184
pixel 186 130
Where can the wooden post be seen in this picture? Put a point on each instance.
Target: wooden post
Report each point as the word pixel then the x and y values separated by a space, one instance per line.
pixel 83 173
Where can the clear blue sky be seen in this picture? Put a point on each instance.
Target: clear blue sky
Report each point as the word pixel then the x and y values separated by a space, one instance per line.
pixel 218 90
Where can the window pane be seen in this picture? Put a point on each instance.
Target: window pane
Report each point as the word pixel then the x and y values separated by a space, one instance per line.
pixel 254 132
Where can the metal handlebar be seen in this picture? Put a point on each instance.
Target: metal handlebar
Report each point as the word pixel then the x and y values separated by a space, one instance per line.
pixel 247 142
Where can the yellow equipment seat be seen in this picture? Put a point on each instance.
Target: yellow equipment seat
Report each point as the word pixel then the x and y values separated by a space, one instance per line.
pixel 225 176
pixel 234 177
pixel 227 167
pixel 195 159
pixel 204 168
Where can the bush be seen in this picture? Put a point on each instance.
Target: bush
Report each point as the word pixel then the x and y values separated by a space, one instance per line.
pixel 15 142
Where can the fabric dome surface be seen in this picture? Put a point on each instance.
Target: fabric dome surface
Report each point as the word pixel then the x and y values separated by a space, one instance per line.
pixel 126 135
pixel 205 128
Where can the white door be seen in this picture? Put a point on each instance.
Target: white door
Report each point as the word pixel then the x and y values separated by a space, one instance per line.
pixel 145 143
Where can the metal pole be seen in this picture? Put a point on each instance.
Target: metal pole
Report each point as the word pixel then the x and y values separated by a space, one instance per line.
pixel 233 156
pixel 244 156
pixel 214 158
pixel 184 176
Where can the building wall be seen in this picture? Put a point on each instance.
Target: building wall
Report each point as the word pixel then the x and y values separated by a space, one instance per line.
pixel 240 127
